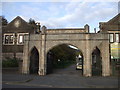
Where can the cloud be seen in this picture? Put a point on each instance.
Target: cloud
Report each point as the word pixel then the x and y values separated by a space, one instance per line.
pixel 63 14
pixel 82 13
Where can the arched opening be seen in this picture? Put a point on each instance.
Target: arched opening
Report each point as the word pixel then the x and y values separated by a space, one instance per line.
pixel 34 61
pixel 96 62
pixel 65 59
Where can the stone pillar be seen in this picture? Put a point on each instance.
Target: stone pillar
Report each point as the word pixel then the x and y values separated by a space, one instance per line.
pixel 44 29
pixel 86 28
pixel 25 68
pixel 87 59
pixel 42 69
pixel 105 59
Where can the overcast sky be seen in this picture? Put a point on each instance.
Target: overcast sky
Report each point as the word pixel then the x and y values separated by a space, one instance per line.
pixel 62 14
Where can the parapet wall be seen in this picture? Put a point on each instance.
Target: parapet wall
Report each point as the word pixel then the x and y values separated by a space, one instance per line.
pixel 62 31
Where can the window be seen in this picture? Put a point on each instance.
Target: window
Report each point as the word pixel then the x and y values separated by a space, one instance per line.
pixel 117 37
pixel 20 39
pixel 111 36
pixel 9 39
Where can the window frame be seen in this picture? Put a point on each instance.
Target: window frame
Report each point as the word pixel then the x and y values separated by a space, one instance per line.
pixel 113 38
pixel 118 37
pixel 18 37
pixel 5 39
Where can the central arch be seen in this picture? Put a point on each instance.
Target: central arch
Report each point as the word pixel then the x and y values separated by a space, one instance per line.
pixel 51 57
pixel 34 61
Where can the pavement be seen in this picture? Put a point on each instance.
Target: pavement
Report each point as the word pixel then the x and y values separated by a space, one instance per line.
pixel 67 78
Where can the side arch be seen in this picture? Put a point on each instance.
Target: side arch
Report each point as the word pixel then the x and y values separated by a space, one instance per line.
pixel 33 60
pixel 96 62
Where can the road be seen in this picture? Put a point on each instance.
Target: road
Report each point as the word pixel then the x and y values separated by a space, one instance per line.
pixel 71 70
pixel 61 78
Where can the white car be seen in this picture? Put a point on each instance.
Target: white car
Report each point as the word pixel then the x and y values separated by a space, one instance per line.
pixel 78 66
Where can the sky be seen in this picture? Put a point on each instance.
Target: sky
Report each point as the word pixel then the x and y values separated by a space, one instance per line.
pixel 62 14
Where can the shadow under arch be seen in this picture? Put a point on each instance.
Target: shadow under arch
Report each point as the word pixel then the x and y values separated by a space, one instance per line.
pixel 80 49
pixel 34 61
pixel 50 59
pixel 96 62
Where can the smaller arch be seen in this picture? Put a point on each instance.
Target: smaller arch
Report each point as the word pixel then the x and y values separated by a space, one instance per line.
pixel 34 60
pixel 96 62
pixel 95 48
pixel 31 48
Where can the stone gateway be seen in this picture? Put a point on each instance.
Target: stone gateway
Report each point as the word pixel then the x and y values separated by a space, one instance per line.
pixel 36 47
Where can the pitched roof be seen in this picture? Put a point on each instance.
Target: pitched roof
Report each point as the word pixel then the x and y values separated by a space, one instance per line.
pixel 22 24
pixel 18 18
pixel 114 20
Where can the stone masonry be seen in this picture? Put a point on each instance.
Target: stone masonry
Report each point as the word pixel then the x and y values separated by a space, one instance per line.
pixel 81 38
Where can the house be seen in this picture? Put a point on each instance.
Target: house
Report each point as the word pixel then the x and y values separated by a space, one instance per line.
pixel 113 28
pixel 13 37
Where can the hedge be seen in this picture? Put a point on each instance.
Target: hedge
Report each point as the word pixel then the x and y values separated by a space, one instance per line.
pixel 10 62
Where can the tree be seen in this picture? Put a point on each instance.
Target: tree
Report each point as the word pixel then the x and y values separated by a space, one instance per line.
pixel 32 23
pixel 4 21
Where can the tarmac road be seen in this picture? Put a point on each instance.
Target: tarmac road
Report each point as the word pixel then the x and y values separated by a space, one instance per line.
pixel 62 78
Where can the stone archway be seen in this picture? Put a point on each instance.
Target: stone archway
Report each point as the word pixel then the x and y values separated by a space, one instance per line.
pixel 34 61
pixel 84 41
pixel 96 62
pixel 51 56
